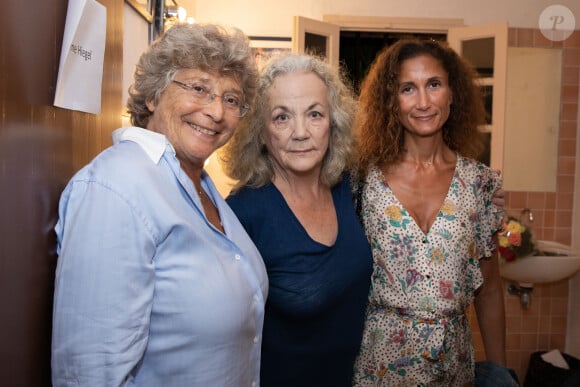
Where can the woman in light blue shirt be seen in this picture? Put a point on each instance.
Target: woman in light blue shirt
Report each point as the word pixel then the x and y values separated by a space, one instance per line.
pixel 157 282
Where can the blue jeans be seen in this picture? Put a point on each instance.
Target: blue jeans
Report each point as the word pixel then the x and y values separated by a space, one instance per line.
pixel 489 374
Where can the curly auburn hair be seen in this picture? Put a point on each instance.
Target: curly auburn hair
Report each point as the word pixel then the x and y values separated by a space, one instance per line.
pixel 245 157
pixel 207 47
pixel 378 131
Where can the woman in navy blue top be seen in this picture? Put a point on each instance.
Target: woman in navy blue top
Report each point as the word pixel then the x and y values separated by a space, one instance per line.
pixel 293 198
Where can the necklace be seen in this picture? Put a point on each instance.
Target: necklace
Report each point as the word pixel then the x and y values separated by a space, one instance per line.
pixel 199 191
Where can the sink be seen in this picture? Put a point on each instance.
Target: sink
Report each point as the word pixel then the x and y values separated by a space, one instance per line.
pixel 557 262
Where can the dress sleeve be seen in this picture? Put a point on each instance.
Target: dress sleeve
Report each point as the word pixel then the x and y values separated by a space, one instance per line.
pixel 488 214
pixel 104 288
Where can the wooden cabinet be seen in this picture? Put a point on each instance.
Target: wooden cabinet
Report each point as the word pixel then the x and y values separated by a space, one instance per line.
pixel 530 153
pixel 485 47
pixel 523 87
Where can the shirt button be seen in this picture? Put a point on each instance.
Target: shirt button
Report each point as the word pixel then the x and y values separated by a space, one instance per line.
pixel 253 384
pixel 237 257
pixel 256 298
pixel 255 339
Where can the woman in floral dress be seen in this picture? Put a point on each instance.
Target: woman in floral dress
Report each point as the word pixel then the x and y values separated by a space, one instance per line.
pixel 426 206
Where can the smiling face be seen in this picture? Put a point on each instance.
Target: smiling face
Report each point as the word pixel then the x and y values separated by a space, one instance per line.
pixel 298 123
pixel 194 129
pixel 424 96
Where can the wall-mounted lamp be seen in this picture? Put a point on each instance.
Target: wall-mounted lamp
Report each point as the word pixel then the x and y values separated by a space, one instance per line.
pixel 174 13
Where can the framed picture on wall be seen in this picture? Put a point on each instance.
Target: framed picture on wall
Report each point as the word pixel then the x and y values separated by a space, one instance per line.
pixel 143 7
pixel 265 47
pixel 153 12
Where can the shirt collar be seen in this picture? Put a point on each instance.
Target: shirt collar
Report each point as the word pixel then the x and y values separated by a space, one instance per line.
pixel 153 143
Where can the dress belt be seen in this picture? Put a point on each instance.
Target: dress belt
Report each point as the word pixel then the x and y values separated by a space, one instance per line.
pixel 432 332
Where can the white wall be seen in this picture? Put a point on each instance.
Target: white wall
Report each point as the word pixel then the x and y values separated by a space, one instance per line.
pixel 274 17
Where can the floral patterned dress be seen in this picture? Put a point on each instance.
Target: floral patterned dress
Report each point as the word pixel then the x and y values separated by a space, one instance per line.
pixel 416 332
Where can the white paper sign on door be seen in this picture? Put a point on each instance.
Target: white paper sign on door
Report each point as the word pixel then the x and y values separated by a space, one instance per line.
pixel 80 71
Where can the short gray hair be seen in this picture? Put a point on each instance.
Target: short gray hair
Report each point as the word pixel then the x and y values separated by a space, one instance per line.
pixel 207 47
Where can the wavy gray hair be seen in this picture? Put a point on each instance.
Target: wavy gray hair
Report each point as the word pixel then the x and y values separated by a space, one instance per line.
pixel 245 157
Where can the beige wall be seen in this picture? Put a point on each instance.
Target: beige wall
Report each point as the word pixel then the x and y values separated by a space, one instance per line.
pixel 274 17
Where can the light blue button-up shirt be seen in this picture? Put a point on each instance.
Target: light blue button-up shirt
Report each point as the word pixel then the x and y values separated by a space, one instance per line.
pixel 148 292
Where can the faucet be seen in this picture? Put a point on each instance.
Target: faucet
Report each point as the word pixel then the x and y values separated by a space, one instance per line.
pixel 524 291
pixel 530 214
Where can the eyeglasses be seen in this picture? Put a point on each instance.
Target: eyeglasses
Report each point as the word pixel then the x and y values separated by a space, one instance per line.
pixel 231 102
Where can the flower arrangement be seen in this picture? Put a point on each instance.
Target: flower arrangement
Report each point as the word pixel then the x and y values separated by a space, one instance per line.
pixel 515 240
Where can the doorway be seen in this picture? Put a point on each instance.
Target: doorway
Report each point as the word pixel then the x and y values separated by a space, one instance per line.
pixel 358 49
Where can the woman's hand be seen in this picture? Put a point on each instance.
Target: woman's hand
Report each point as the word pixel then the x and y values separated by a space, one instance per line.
pixel 499 198
pixel 499 195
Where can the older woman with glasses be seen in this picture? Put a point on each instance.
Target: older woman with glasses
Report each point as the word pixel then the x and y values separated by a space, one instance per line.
pixel 158 283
